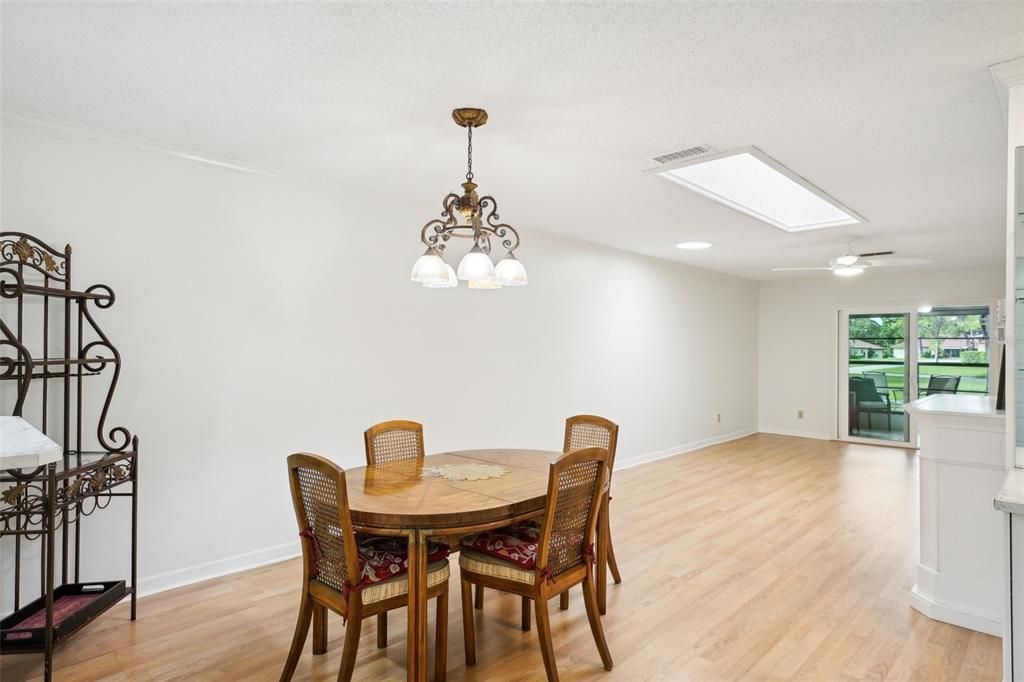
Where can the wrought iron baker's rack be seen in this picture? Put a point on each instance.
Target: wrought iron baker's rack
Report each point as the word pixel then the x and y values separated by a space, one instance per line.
pixel 48 503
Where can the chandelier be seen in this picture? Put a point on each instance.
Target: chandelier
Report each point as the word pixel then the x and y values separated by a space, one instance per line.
pixel 466 215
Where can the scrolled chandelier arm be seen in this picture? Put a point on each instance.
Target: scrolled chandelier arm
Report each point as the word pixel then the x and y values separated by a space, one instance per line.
pixel 466 215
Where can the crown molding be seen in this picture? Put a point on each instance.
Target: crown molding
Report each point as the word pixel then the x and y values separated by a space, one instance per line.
pixel 60 128
pixel 1006 75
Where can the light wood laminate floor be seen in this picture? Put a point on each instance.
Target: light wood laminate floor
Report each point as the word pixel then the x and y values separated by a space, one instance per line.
pixel 766 558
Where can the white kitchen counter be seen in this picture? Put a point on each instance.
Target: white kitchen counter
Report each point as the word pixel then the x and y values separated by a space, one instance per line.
pixel 959 576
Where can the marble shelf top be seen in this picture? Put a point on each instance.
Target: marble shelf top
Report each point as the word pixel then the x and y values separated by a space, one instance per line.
pixel 1011 497
pixel 956 405
pixel 23 446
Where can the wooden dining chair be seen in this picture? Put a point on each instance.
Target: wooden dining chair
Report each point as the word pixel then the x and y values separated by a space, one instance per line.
pixel 582 431
pixel 392 441
pixel 538 561
pixel 386 442
pixel 585 431
pixel 355 579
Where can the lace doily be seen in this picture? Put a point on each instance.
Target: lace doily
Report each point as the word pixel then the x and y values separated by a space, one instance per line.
pixel 465 472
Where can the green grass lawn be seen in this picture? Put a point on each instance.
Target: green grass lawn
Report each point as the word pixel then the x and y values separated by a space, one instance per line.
pixel 973 377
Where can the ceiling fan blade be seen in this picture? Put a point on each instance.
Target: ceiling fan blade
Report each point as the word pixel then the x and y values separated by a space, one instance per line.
pixel 795 269
pixel 896 262
pixel 875 253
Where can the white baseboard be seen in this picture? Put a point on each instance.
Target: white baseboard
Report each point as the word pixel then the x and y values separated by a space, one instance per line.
pixel 956 616
pixel 218 568
pixel 270 555
pixel 817 435
pixel 681 449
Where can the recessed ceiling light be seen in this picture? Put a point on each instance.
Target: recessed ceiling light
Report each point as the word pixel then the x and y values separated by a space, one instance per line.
pixel 694 245
pixel 750 181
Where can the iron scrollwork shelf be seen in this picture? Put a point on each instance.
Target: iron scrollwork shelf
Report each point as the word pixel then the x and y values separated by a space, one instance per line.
pixel 82 490
pixel 48 504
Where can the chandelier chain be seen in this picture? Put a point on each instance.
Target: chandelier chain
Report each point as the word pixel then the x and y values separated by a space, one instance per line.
pixel 469 154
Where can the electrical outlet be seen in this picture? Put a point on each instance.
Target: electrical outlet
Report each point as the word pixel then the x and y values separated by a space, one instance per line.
pixel 719 417
pixel 799 414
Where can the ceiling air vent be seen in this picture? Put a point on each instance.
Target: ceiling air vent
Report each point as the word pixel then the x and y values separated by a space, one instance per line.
pixel 683 154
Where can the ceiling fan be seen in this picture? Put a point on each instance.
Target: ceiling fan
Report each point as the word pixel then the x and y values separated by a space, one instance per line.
pixel 851 264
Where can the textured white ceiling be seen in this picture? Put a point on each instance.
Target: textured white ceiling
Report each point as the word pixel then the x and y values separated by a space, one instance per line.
pixel 887 106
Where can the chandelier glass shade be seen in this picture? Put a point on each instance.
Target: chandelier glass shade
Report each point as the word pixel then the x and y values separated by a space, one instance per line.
pixel 466 215
pixel 476 265
pixel 449 281
pixel 429 268
pixel 509 272
pixel 483 284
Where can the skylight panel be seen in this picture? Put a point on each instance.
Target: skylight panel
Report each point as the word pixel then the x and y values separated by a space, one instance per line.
pixel 750 181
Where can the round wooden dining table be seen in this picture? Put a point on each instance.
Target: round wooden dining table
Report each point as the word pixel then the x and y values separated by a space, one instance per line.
pixel 395 498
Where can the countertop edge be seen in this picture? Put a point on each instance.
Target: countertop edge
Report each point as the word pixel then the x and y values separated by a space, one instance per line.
pixel 922 406
pixel 1010 498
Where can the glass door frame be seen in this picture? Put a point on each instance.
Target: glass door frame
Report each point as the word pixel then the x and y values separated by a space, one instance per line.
pixel 843 373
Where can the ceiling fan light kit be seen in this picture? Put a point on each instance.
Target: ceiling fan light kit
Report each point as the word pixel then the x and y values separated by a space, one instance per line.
pixel 466 215
pixel 847 265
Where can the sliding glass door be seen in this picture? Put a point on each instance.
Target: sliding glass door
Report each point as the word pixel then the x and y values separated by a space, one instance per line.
pixel 878 375
pixel 889 356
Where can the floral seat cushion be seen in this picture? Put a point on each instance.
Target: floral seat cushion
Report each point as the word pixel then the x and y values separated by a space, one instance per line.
pixel 381 558
pixel 515 544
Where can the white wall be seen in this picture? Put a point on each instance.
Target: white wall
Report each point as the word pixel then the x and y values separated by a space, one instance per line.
pixel 798 326
pixel 259 316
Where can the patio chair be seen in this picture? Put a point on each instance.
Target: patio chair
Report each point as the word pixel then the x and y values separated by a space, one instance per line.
pixel 939 383
pixel 869 400
pixel 882 384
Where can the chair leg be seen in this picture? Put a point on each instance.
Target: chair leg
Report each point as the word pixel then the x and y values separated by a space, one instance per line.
pixel 547 651
pixel 441 636
pixel 348 654
pixel 468 633
pixel 382 630
pixel 563 600
pixel 601 568
pixel 613 565
pixel 590 597
pixel 526 614
pixel 479 601
pixel 319 629
pixel 299 638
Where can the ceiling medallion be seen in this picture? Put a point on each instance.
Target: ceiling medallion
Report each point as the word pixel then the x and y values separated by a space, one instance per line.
pixel 463 216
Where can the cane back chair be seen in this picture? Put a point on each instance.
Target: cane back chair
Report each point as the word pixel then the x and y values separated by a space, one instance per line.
pixel 392 441
pixel 334 564
pixel 540 561
pixel 586 431
pixel 388 442
pixel 582 431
